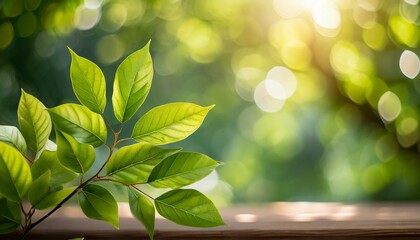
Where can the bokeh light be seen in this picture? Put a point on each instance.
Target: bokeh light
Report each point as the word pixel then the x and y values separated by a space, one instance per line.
pixel 409 64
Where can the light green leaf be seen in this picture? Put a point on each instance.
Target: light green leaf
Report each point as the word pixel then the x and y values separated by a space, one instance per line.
pixel 97 203
pixel 15 174
pixel 52 199
pixel 77 238
pixel 133 164
pixel 188 207
pixel 170 123
pixel 39 188
pixel 48 161
pixel 142 209
pixel 12 135
pixel 181 169
pixel 76 156
pixel 34 121
pixel 88 83
pixel 80 122
pixel 132 83
pixel 10 216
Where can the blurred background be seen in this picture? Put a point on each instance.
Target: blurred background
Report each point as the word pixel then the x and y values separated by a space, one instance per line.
pixel 316 100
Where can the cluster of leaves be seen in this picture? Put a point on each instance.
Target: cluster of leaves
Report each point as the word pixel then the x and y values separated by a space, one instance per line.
pixel 34 168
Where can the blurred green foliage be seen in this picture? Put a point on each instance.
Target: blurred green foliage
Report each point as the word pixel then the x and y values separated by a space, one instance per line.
pixel 315 100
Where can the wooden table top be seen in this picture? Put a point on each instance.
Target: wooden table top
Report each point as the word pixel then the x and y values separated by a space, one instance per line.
pixel 282 220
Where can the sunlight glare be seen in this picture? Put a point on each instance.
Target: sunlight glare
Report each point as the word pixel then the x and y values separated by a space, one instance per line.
pixel 326 14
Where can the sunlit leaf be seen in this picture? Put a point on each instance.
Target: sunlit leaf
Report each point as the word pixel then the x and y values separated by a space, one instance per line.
pixel 132 83
pixel 133 164
pixel 34 121
pixel 10 216
pixel 39 188
pixel 142 209
pixel 48 161
pixel 88 83
pixel 97 203
pixel 188 207
pixel 52 199
pixel 76 156
pixel 181 169
pixel 80 122
pixel 12 135
pixel 170 123
pixel 15 174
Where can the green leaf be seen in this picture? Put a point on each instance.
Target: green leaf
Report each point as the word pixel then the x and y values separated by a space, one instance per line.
pixel 52 199
pixel 97 203
pixel 48 161
pixel 39 188
pixel 12 135
pixel 181 169
pixel 15 174
pixel 76 156
pixel 170 123
pixel 133 164
pixel 188 207
pixel 142 209
pixel 132 83
pixel 10 216
pixel 81 123
pixel 88 83
pixel 34 122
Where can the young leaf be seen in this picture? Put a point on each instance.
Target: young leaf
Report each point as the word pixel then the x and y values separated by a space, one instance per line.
pixel 181 169
pixel 188 207
pixel 88 83
pixel 10 216
pixel 15 174
pixel 133 164
pixel 142 209
pixel 76 156
pixel 48 161
pixel 170 123
pixel 132 83
pixel 12 135
pixel 97 203
pixel 54 198
pixel 39 188
pixel 34 121
pixel 81 123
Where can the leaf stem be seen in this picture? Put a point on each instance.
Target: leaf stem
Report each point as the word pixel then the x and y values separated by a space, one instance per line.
pixel 145 194
pixel 28 225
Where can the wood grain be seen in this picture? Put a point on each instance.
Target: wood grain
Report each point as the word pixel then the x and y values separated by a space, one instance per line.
pixel 297 220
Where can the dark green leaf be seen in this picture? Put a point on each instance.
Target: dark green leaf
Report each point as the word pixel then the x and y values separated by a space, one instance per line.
pixel 12 135
pixel 181 169
pixel 34 122
pixel 52 199
pixel 76 156
pixel 39 188
pixel 132 83
pixel 88 83
pixel 133 164
pixel 97 203
pixel 79 122
pixel 142 209
pixel 188 207
pixel 48 161
pixel 15 174
pixel 170 123
pixel 10 216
